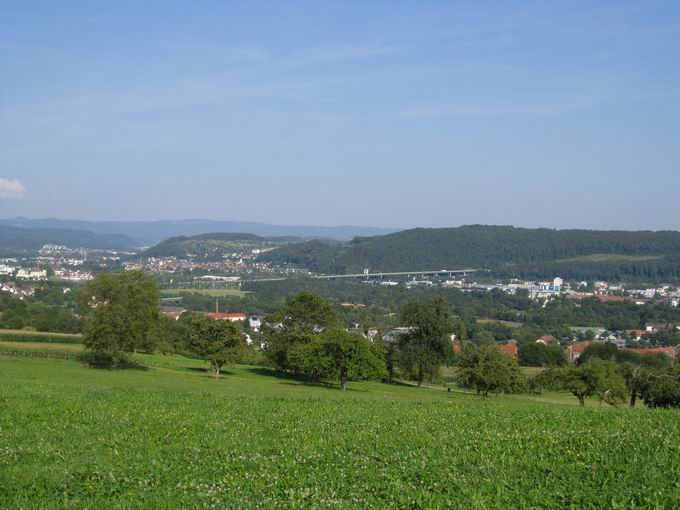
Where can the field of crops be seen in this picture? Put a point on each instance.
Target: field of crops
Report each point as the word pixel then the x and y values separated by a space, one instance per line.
pixel 171 437
pixel 20 335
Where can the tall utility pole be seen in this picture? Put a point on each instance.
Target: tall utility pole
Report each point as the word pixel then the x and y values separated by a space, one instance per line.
pixel 217 305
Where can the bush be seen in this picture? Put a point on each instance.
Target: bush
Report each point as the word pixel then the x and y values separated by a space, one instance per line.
pixel 94 359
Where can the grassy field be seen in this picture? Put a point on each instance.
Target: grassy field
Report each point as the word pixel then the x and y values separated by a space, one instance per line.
pixel 169 436
pixel 205 292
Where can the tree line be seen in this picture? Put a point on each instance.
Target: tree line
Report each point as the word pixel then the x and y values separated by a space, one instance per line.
pixel 307 339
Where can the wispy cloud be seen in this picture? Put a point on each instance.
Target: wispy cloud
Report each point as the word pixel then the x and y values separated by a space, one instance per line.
pixel 11 189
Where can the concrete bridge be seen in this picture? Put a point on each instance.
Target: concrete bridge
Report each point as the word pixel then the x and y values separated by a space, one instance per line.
pixel 366 274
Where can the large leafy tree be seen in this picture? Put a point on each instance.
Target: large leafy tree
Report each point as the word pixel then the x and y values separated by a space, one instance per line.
pixel 306 311
pixel 487 369
pixel 604 351
pixel 220 342
pixel 353 356
pixel 338 354
pixel 536 354
pixel 121 312
pixel 304 317
pixel 607 380
pixel 596 378
pixel 661 387
pixel 427 344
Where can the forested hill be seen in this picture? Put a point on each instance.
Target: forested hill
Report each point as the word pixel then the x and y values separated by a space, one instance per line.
pixel 214 245
pixel 504 250
pixel 15 240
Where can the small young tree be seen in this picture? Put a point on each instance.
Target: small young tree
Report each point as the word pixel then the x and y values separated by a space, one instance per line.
pixel 220 342
pixel 576 381
pixel 121 313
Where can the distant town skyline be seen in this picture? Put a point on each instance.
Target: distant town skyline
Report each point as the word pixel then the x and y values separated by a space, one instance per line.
pixel 382 114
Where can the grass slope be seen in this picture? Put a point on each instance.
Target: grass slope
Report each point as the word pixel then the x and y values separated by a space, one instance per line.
pixel 171 437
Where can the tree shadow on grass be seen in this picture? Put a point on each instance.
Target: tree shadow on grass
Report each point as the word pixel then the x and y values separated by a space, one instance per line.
pixel 291 380
pixel 395 382
pixel 324 385
pixel 206 371
pixel 270 372
pixel 119 368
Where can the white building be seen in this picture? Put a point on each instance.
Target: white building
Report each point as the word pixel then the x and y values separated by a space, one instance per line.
pixel 7 270
pixel 32 274
pixel 255 322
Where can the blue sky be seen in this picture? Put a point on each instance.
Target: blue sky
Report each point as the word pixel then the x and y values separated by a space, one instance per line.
pixel 398 114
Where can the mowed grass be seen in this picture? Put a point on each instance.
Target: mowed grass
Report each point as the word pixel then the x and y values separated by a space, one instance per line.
pixel 205 292
pixel 170 436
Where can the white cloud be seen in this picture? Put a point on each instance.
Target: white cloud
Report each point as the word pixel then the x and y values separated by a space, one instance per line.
pixel 11 189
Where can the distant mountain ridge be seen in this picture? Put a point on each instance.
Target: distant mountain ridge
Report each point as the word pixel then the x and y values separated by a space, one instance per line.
pixel 15 240
pixel 151 232
pixel 504 250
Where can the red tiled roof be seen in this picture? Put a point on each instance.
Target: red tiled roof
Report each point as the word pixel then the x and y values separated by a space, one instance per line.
pixel 226 315
pixel 577 347
pixel 668 351
pixel 510 348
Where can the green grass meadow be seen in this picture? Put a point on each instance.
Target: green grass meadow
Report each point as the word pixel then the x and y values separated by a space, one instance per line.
pixel 169 436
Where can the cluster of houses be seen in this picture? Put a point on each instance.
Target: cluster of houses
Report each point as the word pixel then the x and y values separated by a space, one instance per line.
pixel 232 264
pixel 65 267
pixel 600 290
pixel 599 335
pixel 38 275
pixel 21 292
